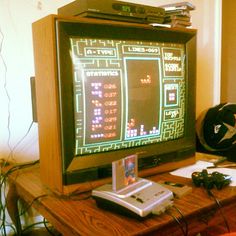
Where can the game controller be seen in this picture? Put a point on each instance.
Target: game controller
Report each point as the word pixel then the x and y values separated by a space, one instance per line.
pixel 208 180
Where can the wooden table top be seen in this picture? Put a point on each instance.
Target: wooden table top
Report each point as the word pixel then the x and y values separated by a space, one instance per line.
pixel 79 215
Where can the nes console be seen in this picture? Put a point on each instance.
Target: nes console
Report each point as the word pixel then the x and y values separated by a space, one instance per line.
pixel 113 10
pixel 138 199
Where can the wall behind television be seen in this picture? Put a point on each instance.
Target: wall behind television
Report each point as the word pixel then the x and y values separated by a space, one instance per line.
pixel 18 135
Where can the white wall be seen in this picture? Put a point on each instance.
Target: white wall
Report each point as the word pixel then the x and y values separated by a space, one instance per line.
pixel 17 65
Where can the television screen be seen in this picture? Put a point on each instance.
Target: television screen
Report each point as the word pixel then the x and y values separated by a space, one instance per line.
pixel 107 90
pixel 127 93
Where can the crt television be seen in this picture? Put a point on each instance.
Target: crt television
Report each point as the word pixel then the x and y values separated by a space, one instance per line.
pixel 106 90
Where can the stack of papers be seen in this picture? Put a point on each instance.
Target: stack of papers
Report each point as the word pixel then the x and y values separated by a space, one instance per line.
pixel 199 166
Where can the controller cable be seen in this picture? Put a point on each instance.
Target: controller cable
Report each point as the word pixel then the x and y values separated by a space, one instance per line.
pixel 184 229
pixel 220 209
pixel 184 219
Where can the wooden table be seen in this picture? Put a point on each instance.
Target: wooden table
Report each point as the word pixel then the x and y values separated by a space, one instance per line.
pixel 79 215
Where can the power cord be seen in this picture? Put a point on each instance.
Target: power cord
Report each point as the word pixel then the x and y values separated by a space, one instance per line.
pixel 3 186
pixel 4 162
pixel 10 156
pixel 6 91
pixel 3 225
pixel 50 230
pixel 45 224
pixel 32 202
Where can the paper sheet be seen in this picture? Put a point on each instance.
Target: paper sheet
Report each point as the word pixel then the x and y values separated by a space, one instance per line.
pixel 199 166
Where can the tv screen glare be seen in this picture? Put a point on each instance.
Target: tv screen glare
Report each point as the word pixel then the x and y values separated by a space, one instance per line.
pixel 123 91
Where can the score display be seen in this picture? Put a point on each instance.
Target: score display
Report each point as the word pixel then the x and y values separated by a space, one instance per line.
pixel 127 93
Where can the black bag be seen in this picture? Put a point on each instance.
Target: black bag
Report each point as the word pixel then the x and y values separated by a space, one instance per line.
pixel 216 128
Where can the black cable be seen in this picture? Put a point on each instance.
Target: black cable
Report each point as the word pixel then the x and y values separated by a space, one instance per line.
pixel 15 168
pixel 32 202
pixel 3 185
pixel 185 221
pixel 47 228
pixel 8 104
pixel 2 179
pixel 74 195
pixel 31 226
pixel 3 224
pixel 6 92
pixel 38 223
pixel 220 209
pixel 3 176
pixel 178 222
pixel 44 221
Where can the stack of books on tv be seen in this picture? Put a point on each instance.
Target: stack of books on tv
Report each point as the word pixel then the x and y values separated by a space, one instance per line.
pixel 178 14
